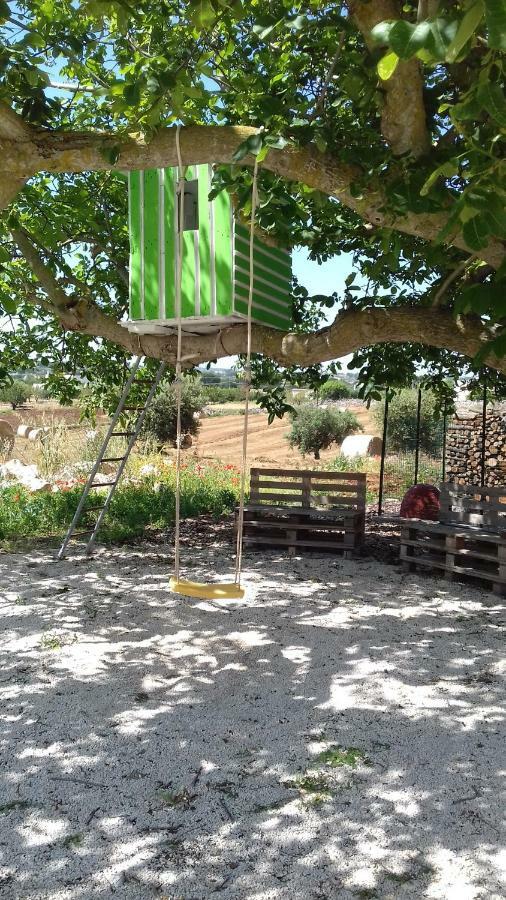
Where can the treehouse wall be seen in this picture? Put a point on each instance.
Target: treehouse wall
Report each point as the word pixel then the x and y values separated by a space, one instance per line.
pixel 215 263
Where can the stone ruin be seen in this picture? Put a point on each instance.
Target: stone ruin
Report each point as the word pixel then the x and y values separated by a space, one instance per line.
pixel 464 449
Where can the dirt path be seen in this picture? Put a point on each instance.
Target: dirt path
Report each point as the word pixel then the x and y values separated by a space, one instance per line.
pixel 336 735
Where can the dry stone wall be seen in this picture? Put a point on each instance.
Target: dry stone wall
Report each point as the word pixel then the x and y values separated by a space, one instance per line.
pixel 464 448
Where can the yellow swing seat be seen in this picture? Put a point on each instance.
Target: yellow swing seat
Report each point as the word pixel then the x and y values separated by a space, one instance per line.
pixel 228 590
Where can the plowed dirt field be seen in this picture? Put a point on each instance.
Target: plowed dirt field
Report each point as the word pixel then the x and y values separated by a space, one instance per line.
pixel 220 437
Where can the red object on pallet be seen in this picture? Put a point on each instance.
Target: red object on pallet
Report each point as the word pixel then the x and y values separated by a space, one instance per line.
pixel 421 502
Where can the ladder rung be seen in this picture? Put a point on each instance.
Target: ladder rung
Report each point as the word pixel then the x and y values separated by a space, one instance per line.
pixel 92 509
pixel 79 533
pixel 136 408
pixel 122 433
pixel 149 381
pixel 102 484
pixel 112 459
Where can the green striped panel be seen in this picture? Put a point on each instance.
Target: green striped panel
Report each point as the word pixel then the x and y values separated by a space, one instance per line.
pixel 204 241
pixel 268 279
pixel 169 232
pixel 272 257
pixel 151 244
pixel 223 254
pixel 135 229
pixel 264 316
pixel 280 299
pixel 280 309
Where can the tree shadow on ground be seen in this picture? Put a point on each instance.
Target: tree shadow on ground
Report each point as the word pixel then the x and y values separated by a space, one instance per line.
pixel 336 734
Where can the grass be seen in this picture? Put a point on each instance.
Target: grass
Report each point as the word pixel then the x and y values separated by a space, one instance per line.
pixel 313 787
pixel 399 472
pixel 336 757
pixel 143 500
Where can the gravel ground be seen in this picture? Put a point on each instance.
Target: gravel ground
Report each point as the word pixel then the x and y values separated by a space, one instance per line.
pixel 336 734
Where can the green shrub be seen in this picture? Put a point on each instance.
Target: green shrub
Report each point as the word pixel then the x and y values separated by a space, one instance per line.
pixel 136 504
pixel 336 390
pixel 160 421
pixel 217 394
pixel 16 393
pixel 402 415
pixel 314 429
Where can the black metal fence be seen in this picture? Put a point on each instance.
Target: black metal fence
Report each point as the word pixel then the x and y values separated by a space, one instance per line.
pixel 413 460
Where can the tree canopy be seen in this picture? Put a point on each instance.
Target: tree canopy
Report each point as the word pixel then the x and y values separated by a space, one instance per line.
pixel 379 127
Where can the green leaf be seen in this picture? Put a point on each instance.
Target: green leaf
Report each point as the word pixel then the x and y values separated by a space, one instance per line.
pixel 442 33
pixel 5 256
pixel 253 145
pixel 276 141
pixel 492 98
pixel 381 32
pixel 203 14
pixel 483 298
pixel 111 153
pixel 321 143
pixel 353 85
pixel 132 93
pixel 492 207
pixel 447 169
pixel 8 303
pixel 297 23
pixel 411 39
pixel 466 30
pixel 495 16
pixel 263 31
pixel 387 65
pixel 4 11
pixel 476 233
pixel 400 37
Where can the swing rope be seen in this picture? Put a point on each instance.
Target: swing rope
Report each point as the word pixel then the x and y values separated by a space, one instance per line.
pixel 247 379
pixel 178 380
pixel 231 589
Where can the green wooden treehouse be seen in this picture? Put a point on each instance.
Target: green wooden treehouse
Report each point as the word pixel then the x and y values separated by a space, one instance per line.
pixel 215 267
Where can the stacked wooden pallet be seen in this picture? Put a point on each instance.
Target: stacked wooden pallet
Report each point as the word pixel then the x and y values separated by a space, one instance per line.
pixel 470 539
pixel 308 509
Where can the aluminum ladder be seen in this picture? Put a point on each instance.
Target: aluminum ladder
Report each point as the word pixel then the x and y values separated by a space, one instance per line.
pixel 132 434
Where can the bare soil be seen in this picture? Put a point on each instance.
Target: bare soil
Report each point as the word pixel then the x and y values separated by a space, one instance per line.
pixel 43 412
pixel 221 438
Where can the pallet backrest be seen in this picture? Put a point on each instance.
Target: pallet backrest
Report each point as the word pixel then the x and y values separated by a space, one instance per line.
pixel 470 504
pixel 306 489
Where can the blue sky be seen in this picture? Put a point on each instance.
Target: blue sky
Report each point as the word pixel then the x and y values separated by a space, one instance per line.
pixel 321 279
pixel 324 278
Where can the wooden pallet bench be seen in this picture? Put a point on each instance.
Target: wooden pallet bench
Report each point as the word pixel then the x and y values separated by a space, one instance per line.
pixel 309 509
pixel 469 540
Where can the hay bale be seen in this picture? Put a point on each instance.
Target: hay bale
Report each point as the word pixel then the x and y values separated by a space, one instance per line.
pixel 7 437
pixel 361 445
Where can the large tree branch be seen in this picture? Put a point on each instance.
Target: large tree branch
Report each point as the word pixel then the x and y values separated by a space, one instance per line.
pixel 12 128
pixel 61 151
pixel 351 331
pixel 403 120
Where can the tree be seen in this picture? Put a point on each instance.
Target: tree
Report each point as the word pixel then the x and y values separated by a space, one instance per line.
pixel 394 109
pixel 16 393
pixel 161 418
pixel 314 429
pixel 402 421
pixel 336 390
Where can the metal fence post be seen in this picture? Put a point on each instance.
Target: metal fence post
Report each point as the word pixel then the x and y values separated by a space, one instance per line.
pixel 445 414
pixel 417 446
pixel 383 452
pixel 483 430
